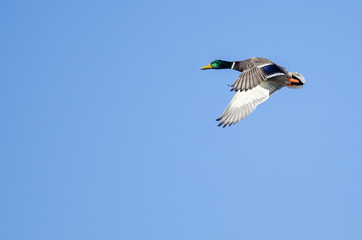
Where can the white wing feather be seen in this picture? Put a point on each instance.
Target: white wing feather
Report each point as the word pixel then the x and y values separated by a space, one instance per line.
pixel 245 102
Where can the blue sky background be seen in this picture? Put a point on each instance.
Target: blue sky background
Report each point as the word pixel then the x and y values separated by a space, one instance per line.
pixel 108 126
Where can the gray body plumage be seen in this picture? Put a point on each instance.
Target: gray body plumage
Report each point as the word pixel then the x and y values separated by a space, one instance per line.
pixel 253 73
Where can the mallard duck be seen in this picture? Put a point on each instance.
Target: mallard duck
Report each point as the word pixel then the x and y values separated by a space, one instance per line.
pixel 260 78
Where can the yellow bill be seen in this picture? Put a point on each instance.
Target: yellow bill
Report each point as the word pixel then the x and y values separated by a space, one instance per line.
pixel 206 67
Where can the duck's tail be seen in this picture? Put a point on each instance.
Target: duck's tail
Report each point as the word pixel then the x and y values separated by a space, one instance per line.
pixel 298 77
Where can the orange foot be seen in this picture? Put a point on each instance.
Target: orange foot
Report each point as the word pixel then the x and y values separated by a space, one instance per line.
pixel 292 80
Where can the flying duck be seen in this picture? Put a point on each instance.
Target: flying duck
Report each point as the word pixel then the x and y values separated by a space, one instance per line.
pixel 259 79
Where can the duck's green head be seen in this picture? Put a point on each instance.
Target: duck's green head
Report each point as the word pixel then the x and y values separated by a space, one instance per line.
pixel 218 64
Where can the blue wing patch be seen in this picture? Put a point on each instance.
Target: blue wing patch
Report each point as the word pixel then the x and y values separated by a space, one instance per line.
pixel 273 70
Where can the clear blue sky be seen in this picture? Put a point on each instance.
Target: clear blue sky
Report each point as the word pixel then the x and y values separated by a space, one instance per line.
pixel 108 126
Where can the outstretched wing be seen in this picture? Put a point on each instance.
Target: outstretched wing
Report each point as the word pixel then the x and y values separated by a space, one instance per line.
pixel 244 102
pixel 255 75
